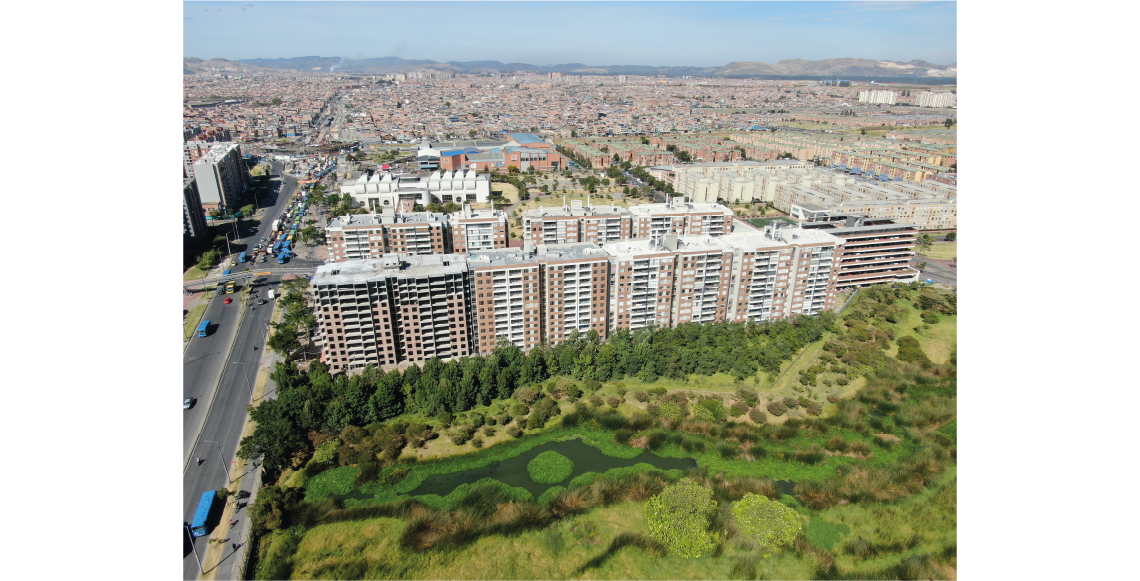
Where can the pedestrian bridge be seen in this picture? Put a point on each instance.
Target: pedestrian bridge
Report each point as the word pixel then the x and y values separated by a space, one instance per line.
pixel 216 280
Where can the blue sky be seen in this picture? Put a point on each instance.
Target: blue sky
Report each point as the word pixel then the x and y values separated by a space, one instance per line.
pixel 593 33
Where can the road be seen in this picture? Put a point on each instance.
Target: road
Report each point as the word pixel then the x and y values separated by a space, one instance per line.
pixel 212 429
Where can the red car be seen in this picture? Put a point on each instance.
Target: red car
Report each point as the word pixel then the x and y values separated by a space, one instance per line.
pixel 228 300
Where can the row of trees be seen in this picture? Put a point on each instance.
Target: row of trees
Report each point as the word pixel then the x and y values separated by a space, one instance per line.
pixel 319 402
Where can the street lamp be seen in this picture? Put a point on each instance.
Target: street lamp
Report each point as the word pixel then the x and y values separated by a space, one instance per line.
pixel 193 549
pixel 247 382
pixel 220 458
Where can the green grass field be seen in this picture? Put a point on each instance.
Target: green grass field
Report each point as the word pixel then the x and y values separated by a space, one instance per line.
pixel 192 319
pixel 942 251
pixel 194 273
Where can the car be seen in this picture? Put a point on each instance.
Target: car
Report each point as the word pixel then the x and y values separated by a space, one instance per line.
pixel 228 300
pixel 187 403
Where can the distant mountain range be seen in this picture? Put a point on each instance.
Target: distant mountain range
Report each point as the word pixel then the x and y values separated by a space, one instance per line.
pixel 840 68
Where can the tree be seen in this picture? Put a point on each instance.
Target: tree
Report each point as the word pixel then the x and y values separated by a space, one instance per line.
pixel 451 207
pixel 332 199
pixel 418 208
pixel 512 169
pixel 684 156
pixel 949 123
pixel 284 340
pixel 275 101
pixel 247 210
pixel 924 242
pixel 209 259
pixel 573 133
pixel 862 132
pixel 771 523
pixel 951 236
pixel 922 266
pixel 679 518
pixel 271 510
pixel 434 208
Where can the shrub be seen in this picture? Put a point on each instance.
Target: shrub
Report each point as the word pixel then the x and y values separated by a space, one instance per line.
pixel 728 450
pixel 591 385
pixel 790 403
pixel 477 442
pixel 757 415
pixel 519 410
pixel 673 411
pixel 738 409
pixel 930 317
pixel 836 444
pixel 550 467
pixel 803 401
pixel 653 409
pixel 526 395
pixel 573 392
pixel 596 400
pixel 702 413
pixel 613 401
pixel 658 391
pixel 833 399
pixel 679 519
pixel 369 470
pixel 641 396
pixel 814 408
pixel 489 431
pixel 768 522
pixel 462 436
pixel 910 350
pixel 622 436
pixel 748 396
pixel 842 380
pixel 535 422
pixel 477 420
pixel 621 392
pixel 715 407
pixel 445 419
pixel 514 431
pixel 776 408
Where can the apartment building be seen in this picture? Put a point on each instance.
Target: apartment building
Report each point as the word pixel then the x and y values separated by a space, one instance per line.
pixel 409 308
pixel 477 230
pixel 362 236
pixel 575 290
pixel 394 309
pixel 222 177
pixel 874 251
pixel 938 99
pixel 507 298
pixel 576 223
pixel 878 97
pixel 680 218
pixel 193 218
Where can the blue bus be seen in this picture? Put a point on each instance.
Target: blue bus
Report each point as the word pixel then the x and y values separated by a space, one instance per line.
pixel 282 237
pixel 294 227
pixel 202 328
pixel 277 247
pixel 201 522
pixel 241 257
pixel 225 272
pixel 281 257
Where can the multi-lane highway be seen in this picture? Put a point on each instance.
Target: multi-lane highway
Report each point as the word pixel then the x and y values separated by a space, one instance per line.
pixel 212 428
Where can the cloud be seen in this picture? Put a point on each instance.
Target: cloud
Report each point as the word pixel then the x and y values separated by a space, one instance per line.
pixel 775 18
pixel 881 6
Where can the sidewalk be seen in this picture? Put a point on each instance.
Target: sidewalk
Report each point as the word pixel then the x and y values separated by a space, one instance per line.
pixel 222 560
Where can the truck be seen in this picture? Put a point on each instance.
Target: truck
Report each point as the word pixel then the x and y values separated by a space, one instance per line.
pixel 275 224
pixel 270 293
pixel 200 526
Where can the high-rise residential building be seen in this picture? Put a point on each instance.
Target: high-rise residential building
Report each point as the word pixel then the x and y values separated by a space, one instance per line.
pixel 938 99
pixel 193 217
pixel 680 218
pixel 571 223
pixel 878 97
pixel 874 251
pixel 222 177
pixel 476 230
pixel 410 308
pixel 394 309
pixel 506 300
pixel 358 236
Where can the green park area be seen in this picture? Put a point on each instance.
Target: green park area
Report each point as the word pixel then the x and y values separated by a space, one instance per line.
pixel 816 447
pixel 942 251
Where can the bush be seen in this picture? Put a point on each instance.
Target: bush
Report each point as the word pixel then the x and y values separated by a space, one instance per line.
pixel 814 408
pixel 613 401
pixel 658 391
pixel 477 442
pixel 738 409
pixel 930 317
pixel 489 431
pixel 514 431
pixel 757 415
pixel 790 403
pixel 803 401
pixel 833 399
pixel 910 350
pixel 673 411
pixel 842 380
pixel 679 519
pixel 462 436
pixel 715 408
pixel 623 436
pixel 526 395
pixel 369 470
pixel 777 409
pixel 748 396
pixel 591 385
pixel 536 422
pixel 641 396
pixel 550 467
pixel 477 420
pixel 728 450
pixel 596 400
pixel 573 392
pixel 768 522
pixel 621 391
pixel 519 410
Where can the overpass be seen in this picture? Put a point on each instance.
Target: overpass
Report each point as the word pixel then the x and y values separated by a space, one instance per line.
pixel 247 274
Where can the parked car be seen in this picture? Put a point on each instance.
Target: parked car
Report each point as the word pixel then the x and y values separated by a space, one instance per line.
pixel 187 403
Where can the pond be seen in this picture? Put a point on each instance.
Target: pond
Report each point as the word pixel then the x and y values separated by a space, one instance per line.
pixel 513 471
